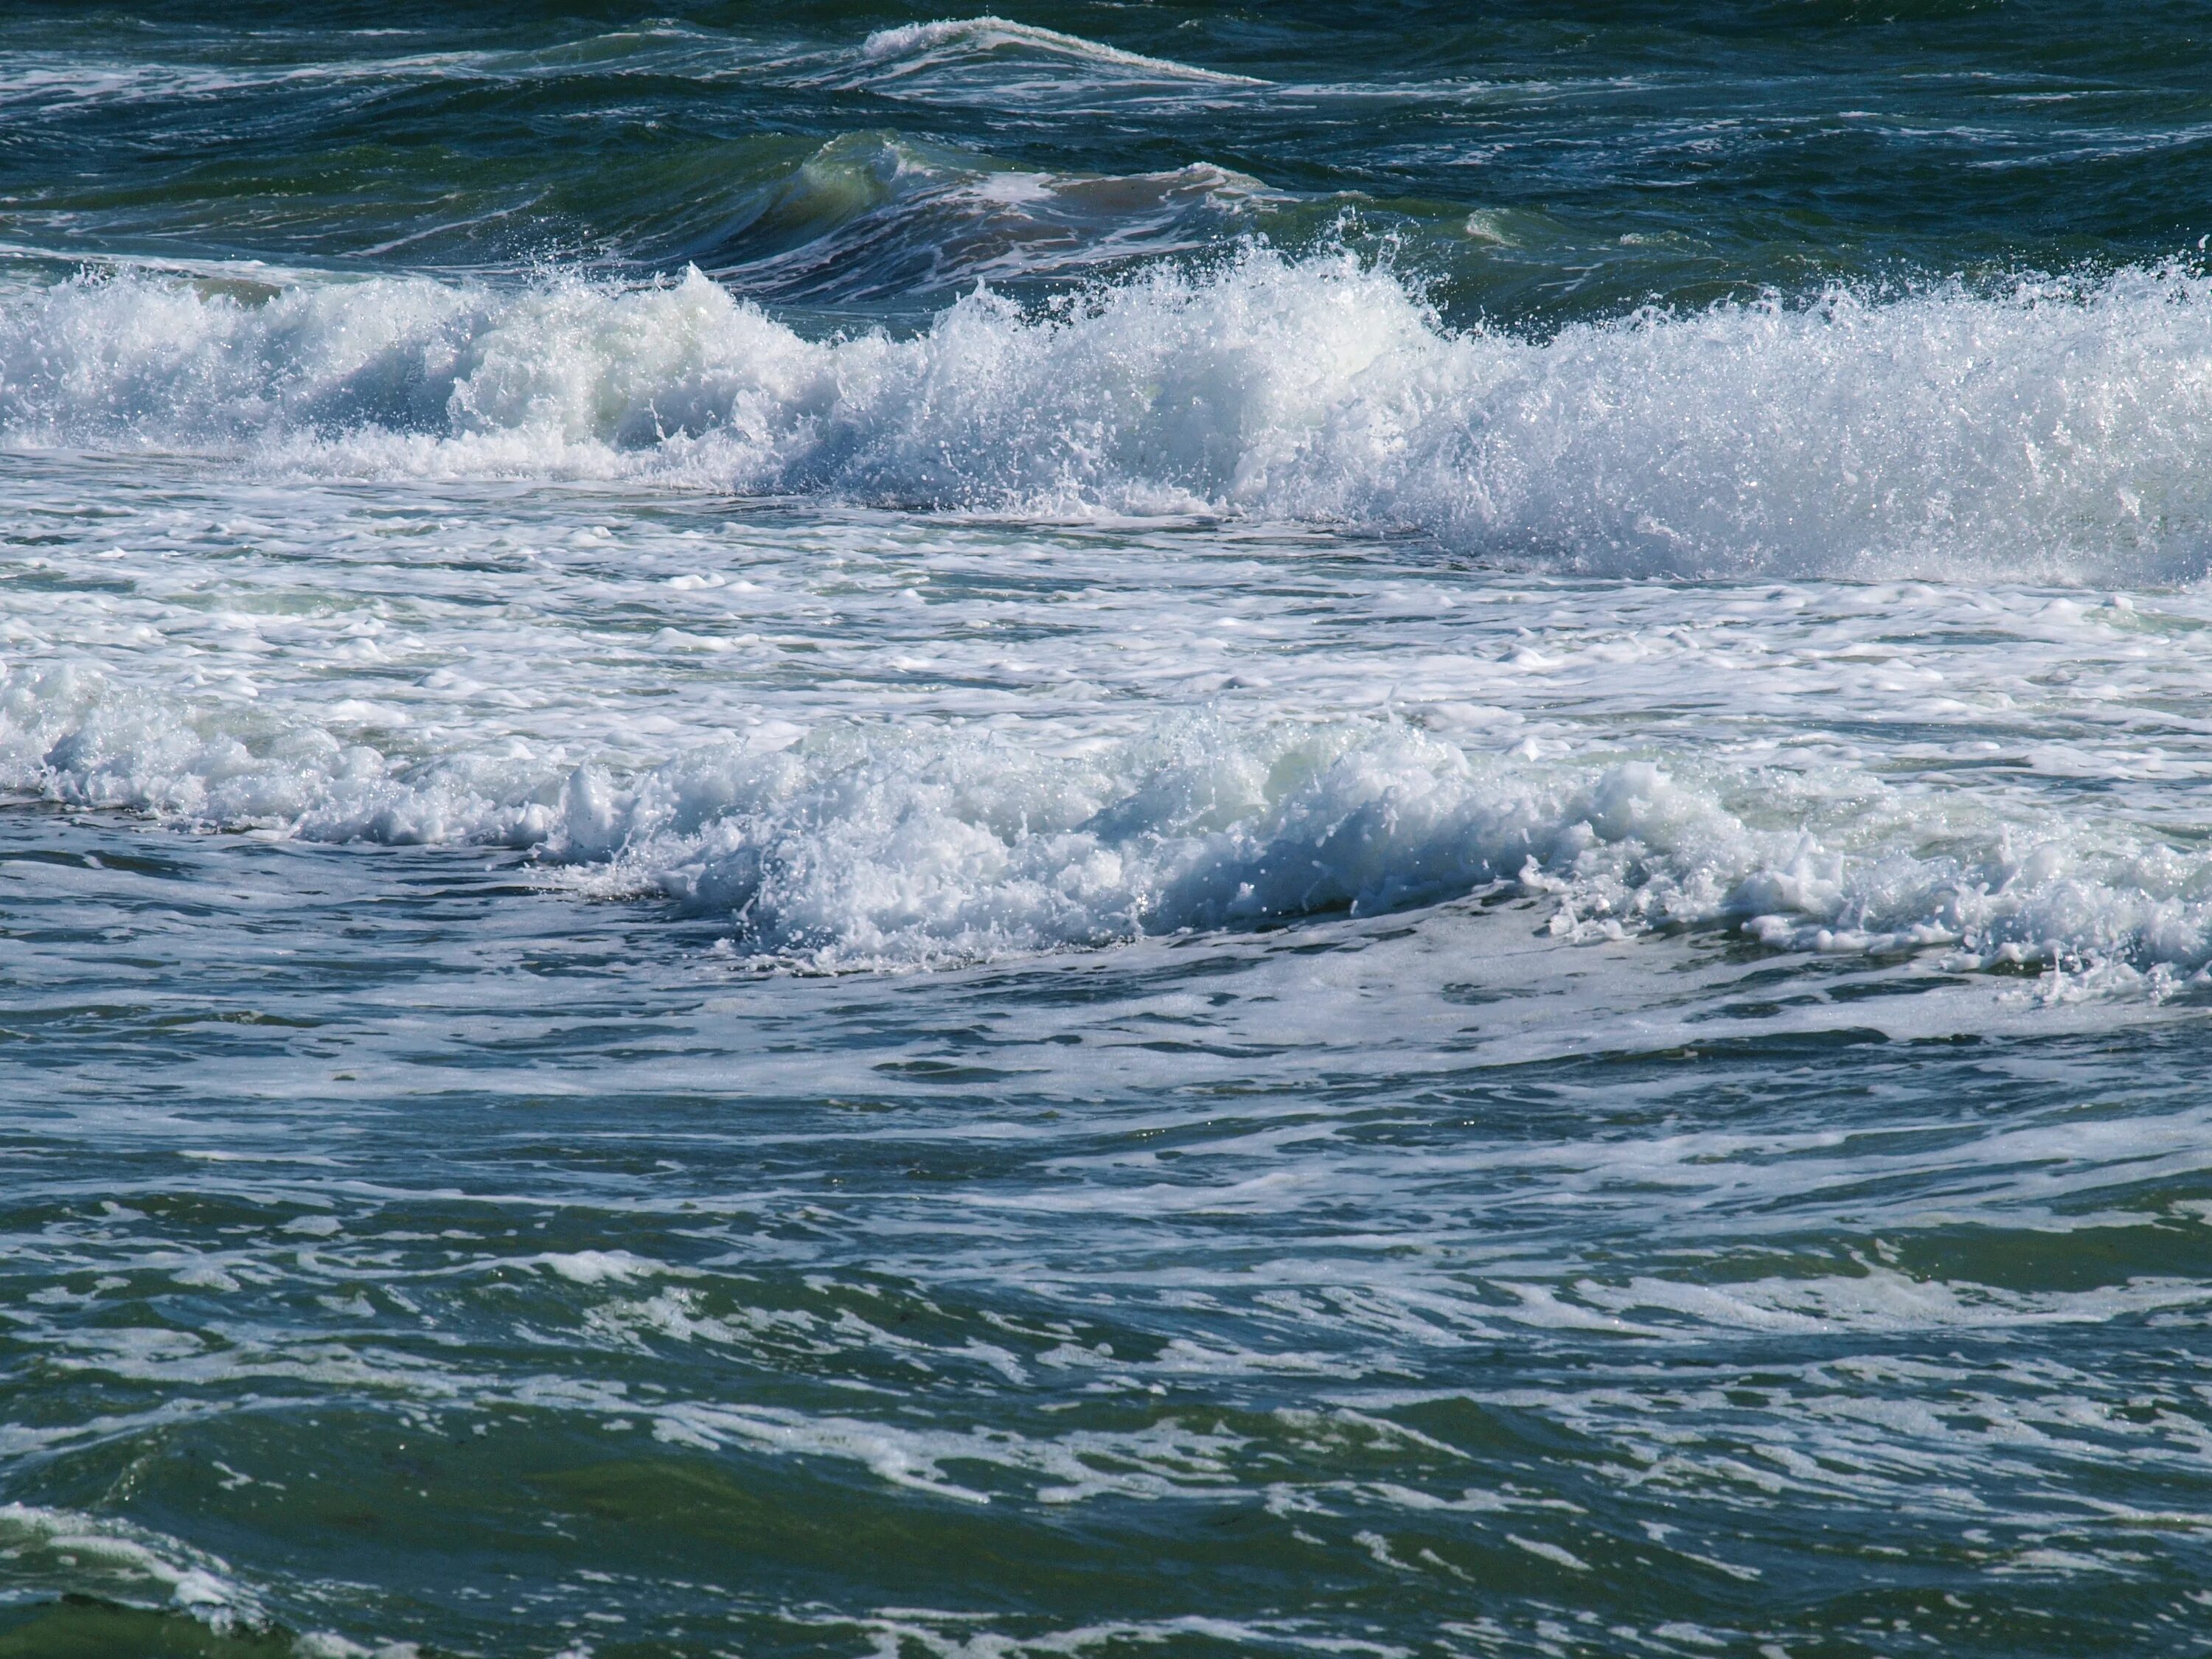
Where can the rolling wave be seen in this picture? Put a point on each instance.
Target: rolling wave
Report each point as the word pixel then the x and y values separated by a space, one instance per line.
pixel 2059 431
pixel 849 848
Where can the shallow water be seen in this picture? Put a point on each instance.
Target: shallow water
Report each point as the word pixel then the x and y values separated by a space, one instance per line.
pixel 1445 893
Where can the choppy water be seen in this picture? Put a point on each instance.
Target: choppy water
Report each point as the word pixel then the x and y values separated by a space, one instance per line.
pixel 1331 829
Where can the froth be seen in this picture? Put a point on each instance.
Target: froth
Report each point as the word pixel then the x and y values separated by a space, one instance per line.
pixel 855 846
pixel 913 45
pixel 46 1547
pixel 2056 432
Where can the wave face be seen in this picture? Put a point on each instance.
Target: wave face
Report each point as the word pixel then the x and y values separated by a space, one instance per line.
pixel 2059 431
pixel 870 216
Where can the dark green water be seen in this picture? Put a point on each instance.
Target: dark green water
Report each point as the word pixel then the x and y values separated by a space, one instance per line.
pixel 1537 161
pixel 1446 895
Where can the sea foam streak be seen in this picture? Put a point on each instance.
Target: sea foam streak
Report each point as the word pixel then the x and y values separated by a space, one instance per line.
pixel 2061 432
pixel 914 46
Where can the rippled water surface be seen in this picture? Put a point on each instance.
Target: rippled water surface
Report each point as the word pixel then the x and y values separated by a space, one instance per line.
pixel 1126 829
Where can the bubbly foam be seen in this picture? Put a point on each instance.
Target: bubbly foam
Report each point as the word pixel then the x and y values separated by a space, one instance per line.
pixel 44 1547
pixel 2056 432
pixel 854 847
pixel 1168 763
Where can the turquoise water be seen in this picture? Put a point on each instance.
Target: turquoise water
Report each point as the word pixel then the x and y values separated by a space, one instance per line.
pixel 1143 830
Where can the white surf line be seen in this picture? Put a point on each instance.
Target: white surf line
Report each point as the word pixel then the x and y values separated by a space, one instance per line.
pixel 987 34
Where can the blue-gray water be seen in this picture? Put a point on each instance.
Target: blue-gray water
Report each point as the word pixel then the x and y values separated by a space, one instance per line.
pixel 1335 830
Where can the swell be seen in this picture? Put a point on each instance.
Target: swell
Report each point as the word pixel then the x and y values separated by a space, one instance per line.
pixel 874 216
pixel 2058 431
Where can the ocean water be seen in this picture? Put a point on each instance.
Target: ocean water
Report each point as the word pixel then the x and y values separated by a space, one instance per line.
pixel 1136 829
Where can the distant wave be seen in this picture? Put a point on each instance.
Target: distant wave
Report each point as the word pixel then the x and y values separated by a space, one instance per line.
pixel 2060 431
pixel 913 45
pixel 878 215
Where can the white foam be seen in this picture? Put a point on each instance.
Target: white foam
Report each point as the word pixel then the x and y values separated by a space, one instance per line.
pixel 2057 431
pixel 601 1267
pixel 913 45
pixel 849 740
pixel 855 847
pixel 47 1550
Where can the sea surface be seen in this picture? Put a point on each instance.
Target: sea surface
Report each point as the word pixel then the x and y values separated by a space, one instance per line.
pixel 1347 831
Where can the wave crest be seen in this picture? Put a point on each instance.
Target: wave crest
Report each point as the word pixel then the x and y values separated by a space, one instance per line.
pixel 2058 432
pixel 857 847
pixel 914 46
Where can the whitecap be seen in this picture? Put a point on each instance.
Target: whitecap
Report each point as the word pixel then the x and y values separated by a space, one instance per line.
pixel 2058 431
pixel 912 47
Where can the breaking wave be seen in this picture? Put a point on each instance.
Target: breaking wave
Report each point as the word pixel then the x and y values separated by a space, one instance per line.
pixel 2060 431
pixel 861 847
